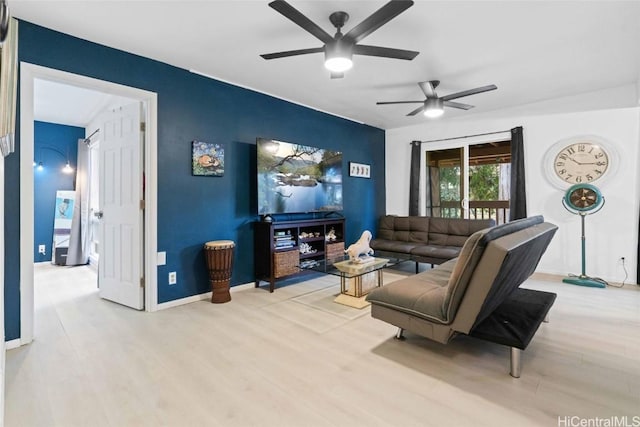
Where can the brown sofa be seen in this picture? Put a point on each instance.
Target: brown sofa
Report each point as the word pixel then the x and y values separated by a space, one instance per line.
pixel 424 239
pixel 478 293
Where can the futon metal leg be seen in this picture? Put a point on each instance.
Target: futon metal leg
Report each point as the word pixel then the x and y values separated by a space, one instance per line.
pixel 399 335
pixel 417 267
pixel 515 362
pixel 546 318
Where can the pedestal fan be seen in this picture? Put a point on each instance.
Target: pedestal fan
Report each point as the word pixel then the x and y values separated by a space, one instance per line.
pixel 583 200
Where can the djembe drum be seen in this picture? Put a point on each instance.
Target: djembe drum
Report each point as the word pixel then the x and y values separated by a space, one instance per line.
pixel 219 254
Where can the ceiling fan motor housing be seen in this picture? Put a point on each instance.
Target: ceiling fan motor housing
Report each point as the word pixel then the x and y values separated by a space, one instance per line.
pixel 338 19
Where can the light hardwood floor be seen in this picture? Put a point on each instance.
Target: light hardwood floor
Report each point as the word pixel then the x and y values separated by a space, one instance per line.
pixel 267 360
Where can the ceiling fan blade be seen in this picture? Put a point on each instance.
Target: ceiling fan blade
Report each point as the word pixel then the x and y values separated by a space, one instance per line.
pixel 4 20
pixel 385 52
pixel 298 18
pixel 292 53
pixel 335 75
pixel 399 102
pixel 469 92
pixel 458 105
pixel 380 17
pixel 429 88
pixel 417 110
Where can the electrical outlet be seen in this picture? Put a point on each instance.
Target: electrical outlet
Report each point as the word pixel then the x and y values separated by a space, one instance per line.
pixel 173 278
pixel 42 249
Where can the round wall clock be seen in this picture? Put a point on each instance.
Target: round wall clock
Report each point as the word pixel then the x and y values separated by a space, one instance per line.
pixel 579 160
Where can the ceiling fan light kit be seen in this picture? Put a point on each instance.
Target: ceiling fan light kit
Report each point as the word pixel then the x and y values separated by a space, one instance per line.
pixel 340 48
pixel 337 57
pixel 433 108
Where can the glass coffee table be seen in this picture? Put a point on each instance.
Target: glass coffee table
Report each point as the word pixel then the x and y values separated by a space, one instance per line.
pixel 356 278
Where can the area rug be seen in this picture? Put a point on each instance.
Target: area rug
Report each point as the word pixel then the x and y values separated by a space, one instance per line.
pixel 324 300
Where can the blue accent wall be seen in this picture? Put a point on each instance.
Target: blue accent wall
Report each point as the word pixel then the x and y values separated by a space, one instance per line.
pixel 192 209
pixel 53 145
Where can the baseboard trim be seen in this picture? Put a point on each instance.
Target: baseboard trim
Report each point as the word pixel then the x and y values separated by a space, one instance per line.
pixel 10 345
pixel 199 297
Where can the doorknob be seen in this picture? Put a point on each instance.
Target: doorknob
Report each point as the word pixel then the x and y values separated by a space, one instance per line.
pixel 98 214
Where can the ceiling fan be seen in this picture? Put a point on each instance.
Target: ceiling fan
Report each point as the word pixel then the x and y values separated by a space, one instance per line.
pixel 433 105
pixel 339 49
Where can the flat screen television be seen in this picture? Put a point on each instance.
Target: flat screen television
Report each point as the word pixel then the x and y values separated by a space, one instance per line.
pixel 294 178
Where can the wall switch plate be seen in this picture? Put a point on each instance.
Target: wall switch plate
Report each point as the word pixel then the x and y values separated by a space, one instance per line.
pixel 161 258
pixel 173 278
pixel 42 249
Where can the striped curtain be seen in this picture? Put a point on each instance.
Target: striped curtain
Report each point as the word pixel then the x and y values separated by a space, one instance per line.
pixel 8 89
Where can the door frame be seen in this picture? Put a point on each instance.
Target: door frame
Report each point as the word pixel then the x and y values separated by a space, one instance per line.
pixel 28 74
pixel 462 142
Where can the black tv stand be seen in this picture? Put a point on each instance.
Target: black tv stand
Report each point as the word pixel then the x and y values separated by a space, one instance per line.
pixel 279 246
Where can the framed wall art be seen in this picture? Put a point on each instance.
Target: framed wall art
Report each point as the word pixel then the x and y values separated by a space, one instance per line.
pixel 207 159
pixel 359 170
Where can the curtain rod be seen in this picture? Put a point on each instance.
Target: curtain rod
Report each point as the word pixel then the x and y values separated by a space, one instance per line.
pixel 461 137
pixel 88 139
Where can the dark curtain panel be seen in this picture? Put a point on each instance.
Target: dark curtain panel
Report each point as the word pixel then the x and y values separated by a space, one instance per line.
pixel 428 194
pixel 518 199
pixel 414 179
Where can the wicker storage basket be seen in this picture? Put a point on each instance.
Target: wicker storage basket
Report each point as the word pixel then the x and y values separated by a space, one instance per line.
pixel 285 263
pixel 335 251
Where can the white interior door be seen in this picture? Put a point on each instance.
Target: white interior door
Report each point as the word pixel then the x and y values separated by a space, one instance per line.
pixel 121 233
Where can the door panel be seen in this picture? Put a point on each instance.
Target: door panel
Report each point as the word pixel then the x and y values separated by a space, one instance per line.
pixel 120 155
pixel 446 183
pixel 469 181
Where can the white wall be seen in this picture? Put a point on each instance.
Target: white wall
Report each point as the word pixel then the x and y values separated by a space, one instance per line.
pixel 611 233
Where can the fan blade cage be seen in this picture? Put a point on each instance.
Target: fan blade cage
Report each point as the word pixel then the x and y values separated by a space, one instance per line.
pixel 583 198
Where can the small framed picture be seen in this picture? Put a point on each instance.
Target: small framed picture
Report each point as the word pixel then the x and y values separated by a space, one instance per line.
pixel 207 159
pixel 359 170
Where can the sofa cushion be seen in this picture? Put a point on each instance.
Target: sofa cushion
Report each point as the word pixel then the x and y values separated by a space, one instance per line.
pixel 461 273
pixel 404 228
pixel 386 227
pixel 471 254
pixel 421 295
pixel 433 251
pixel 392 246
pixel 419 229
pixel 454 231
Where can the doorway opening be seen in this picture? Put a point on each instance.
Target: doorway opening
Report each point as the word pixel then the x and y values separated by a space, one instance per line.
pixel 29 75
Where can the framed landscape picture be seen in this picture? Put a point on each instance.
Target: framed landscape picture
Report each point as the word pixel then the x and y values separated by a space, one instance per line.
pixel 207 159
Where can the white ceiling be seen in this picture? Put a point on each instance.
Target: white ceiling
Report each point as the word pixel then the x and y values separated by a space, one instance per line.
pixel 532 50
pixel 71 105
